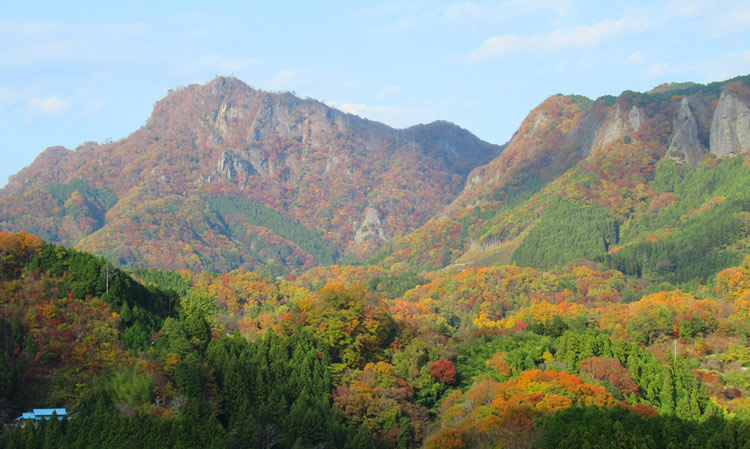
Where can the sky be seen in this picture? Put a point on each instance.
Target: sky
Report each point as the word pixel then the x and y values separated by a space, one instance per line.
pixel 72 72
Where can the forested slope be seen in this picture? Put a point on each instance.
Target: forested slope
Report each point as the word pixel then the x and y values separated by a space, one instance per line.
pixel 492 356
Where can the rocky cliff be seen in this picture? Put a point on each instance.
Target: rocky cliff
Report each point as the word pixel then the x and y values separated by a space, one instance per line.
pixel 730 128
pixel 321 168
pixel 598 153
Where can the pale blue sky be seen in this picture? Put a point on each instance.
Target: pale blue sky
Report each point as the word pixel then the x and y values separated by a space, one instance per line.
pixel 81 71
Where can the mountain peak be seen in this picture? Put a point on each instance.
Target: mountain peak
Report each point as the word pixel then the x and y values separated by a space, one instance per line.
pixel 226 84
pixel 251 172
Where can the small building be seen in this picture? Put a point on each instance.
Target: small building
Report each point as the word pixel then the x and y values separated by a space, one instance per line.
pixel 39 414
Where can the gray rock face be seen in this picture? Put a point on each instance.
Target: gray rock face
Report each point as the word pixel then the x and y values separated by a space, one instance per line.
pixel 582 137
pixel 685 146
pixel 617 126
pixel 230 164
pixel 730 129
pixel 370 227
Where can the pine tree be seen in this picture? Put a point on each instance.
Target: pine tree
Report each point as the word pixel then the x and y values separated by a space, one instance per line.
pixel 666 395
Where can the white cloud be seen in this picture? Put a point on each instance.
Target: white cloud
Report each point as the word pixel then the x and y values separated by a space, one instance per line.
pixel 47 106
pixel 720 68
pixel 727 66
pixel 34 42
pixel 687 8
pixel 660 70
pixel 282 81
pixel 213 64
pixel 586 36
pixel 41 29
pixel 391 8
pixel 93 106
pixel 393 116
pixel 363 109
pixel 731 21
pixel 349 84
pixel 408 15
pixel 635 58
pixel 5 95
pixel 387 91
pixel 493 11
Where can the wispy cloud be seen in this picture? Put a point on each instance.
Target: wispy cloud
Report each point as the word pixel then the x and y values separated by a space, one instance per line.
pixel 721 68
pixel 733 20
pixel 283 80
pixel 39 42
pixel 5 95
pixel 47 106
pixel 635 58
pixel 403 16
pixel 727 66
pixel 393 116
pixel 387 92
pixel 219 65
pixel 586 36
pixel 93 106
pixel 494 11
pixel 688 8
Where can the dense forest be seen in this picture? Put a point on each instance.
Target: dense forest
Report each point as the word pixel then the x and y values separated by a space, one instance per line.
pixel 354 357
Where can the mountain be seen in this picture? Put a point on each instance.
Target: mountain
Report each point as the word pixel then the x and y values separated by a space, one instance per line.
pixel 224 176
pixel 647 183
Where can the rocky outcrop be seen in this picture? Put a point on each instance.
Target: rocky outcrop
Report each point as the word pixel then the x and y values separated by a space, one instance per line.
pixel 582 137
pixel 730 129
pixel 617 126
pixel 685 145
pixel 370 227
pixel 230 164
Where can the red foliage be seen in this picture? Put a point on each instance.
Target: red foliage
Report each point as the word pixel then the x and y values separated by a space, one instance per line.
pixel 732 393
pixel 611 370
pixel 642 409
pixel 443 371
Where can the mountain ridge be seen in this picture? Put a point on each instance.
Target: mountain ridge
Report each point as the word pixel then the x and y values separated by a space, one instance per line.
pixel 594 154
pixel 324 168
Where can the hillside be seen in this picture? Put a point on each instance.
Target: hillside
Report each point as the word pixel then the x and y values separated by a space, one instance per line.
pixel 507 356
pixel 224 176
pixel 646 183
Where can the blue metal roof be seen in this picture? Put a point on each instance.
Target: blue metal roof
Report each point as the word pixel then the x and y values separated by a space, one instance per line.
pixel 49 411
pixel 43 413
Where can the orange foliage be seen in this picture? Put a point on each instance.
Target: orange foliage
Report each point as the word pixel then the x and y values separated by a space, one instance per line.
pixel 497 413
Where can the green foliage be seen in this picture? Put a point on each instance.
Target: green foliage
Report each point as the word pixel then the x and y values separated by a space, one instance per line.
pixel 706 224
pixel 61 192
pixel 523 351
pixel 258 214
pixel 396 284
pixel 85 275
pixel 607 100
pixel 190 375
pixel 128 386
pixel 163 279
pixel 99 424
pixel 668 90
pixel 670 389
pixel 14 360
pixel 616 427
pixel 567 231
pixel 278 387
pixel 582 101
